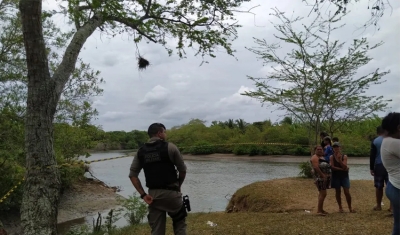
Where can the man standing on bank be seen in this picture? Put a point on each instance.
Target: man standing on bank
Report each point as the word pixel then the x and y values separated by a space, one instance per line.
pixel 378 171
pixel 161 161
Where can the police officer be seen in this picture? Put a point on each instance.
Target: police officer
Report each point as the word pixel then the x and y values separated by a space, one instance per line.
pixel 165 171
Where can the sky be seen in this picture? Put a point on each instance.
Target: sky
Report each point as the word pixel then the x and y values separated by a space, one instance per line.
pixel 173 91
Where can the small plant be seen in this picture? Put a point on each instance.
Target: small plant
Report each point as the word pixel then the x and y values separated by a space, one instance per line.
pixel 135 208
pixel 305 170
pixel 112 217
pixel 82 230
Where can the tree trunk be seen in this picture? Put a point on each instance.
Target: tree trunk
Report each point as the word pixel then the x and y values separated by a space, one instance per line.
pixel 42 181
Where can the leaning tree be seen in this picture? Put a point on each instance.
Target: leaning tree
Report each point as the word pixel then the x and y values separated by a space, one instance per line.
pixel 202 25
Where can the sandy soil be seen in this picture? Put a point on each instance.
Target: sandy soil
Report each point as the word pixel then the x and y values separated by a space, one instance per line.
pixel 85 198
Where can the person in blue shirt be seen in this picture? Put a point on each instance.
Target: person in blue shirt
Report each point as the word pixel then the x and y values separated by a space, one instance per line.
pixel 322 135
pixel 377 169
pixel 328 150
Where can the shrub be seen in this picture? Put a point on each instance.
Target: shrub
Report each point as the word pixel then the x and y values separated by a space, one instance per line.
pixel 253 150
pixel 301 151
pixel 240 150
pixel 305 170
pixel 71 174
pixel 135 208
pixel 202 147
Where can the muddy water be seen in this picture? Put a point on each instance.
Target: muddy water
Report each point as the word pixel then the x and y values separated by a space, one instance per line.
pixel 210 181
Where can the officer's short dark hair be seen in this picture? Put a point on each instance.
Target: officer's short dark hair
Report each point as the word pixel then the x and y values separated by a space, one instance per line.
pixel 155 128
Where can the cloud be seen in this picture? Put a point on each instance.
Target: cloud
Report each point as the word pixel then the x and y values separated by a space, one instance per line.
pixel 174 90
pixel 115 116
pixel 98 103
pixel 237 98
pixel 157 97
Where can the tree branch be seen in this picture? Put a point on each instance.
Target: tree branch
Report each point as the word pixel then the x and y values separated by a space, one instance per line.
pixel 67 65
pixel 129 22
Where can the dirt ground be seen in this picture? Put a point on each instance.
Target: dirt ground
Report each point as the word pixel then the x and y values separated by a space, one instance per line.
pixel 288 207
pixel 85 198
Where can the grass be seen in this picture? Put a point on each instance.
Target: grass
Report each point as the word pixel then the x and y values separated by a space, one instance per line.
pixel 279 207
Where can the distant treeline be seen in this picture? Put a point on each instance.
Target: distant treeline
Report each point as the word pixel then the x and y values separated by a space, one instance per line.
pixel 234 136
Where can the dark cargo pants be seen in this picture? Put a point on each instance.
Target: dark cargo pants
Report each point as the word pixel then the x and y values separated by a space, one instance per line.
pixel 166 201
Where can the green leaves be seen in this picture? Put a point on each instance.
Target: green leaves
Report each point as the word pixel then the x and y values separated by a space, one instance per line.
pixel 203 25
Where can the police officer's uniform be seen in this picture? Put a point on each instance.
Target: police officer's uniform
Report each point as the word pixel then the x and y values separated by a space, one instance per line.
pixel 158 160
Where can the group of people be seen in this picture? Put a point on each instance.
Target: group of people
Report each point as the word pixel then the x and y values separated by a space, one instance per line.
pixel 331 171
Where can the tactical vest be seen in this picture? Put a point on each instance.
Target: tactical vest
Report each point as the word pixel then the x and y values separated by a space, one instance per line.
pixel 158 169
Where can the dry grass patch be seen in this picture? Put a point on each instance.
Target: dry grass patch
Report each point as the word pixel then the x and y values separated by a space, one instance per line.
pixel 296 194
pixel 258 205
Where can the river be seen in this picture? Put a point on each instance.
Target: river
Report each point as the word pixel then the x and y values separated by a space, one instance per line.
pixel 210 181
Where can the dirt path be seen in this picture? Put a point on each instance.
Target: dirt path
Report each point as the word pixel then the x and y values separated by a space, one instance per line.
pixel 85 198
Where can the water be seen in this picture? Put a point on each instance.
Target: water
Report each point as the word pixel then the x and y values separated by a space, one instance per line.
pixel 210 183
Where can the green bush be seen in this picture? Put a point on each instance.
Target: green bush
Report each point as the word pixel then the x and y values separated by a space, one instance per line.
pixel 71 174
pixel 228 148
pixel 305 170
pixel 301 151
pixel 202 148
pixel 135 209
pixel 253 150
pixel 241 150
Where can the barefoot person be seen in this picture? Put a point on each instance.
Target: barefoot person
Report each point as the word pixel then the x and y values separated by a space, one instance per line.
pixel 390 152
pixel 378 171
pixel 322 176
pixel 340 176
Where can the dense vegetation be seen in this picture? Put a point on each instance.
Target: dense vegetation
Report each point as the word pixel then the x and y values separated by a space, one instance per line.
pixel 242 138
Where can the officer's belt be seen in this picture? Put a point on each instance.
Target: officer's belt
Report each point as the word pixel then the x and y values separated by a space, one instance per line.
pixel 167 188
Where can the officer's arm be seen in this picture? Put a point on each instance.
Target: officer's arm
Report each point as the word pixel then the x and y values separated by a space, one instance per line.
pixel 134 175
pixel 177 159
pixel 182 175
pixel 138 185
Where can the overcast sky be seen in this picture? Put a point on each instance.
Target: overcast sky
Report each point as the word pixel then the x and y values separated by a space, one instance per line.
pixel 173 91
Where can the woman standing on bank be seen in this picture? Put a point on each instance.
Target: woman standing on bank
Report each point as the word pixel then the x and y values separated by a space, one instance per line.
pixel 390 153
pixel 340 177
pixel 322 176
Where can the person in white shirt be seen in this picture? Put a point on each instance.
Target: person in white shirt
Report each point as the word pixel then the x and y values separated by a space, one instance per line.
pixel 390 153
